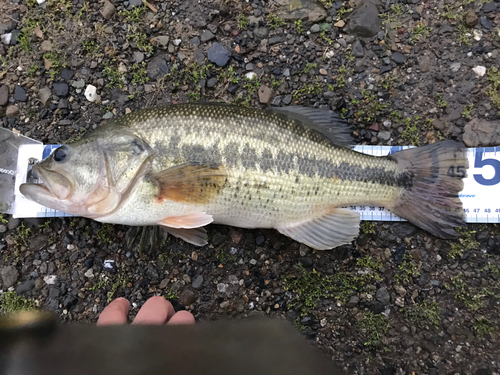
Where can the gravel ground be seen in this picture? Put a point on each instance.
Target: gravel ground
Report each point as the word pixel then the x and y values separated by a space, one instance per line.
pixel 396 301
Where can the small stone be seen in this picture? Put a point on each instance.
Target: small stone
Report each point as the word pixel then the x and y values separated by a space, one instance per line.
pixel 249 66
pixel 265 94
pixel 157 68
pixel 232 88
pixel 206 36
pixel 478 34
pixel 384 135
pixel 61 88
pixel 80 84
pixel 425 64
pixel 485 22
pixel 481 133
pixel 400 290
pixel 89 273
pixel 323 72
pixel 398 58
pixel 195 41
pixel 45 94
pixel 25 286
pixel 479 70
pixel 470 18
pixel 377 307
pixel 197 282
pixel 222 288
pixel 46 46
pixel 9 275
pixel 177 42
pixel 353 301
pixel 122 68
pixel 212 82
pixel 407 341
pixel 454 67
pixel 3 228
pixel 160 41
pixel 365 22
pixel 50 279
pixel 6 38
pixel 251 75
pixel 400 302
pixel 287 99
pixel 188 296
pixel 91 93
pixel 12 111
pixel 340 24
pixel 383 295
pixel 108 10
pixel 315 28
pixel 4 95
pixel 20 94
pixel 138 57
pixel 489 7
pixel 261 32
pixel 357 49
pixel 217 54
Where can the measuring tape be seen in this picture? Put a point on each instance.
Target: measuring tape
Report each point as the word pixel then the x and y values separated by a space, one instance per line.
pixel 480 196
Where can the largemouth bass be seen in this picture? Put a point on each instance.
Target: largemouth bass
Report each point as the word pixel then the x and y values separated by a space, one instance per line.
pixel 185 166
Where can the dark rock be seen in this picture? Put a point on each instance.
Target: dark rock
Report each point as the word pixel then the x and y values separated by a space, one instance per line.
pixel 353 301
pixel 261 32
pixel 388 370
pixel 470 18
pixel 9 275
pixel 259 241
pixel 291 315
pixel 197 282
pixel 364 22
pixel 407 341
pixel 445 29
pixel 484 371
pixel 67 74
pixel 483 133
pixel 54 292
pixel 306 320
pixel 25 286
pixel 218 238
pixel 398 58
pixel 206 36
pixel 188 296
pixel 425 64
pixel 217 54
pixel 357 49
pixel 232 88
pixel 134 3
pixel 212 82
pixel 403 230
pixel 489 7
pixel 301 10
pixel 4 95
pixel 276 39
pixel 385 69
pixel 69 301
pixel 306 261
pixel 376 307
pixel 157 68
pixel 195 41
pixel 383 295
pixel 485 22
pixel 287 99
pixel 6 27
pixel 399 253
pixel 61 88
pixel 20 94
pixel 424 279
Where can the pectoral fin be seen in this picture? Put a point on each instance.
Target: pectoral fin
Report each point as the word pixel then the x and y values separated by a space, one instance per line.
pixel 190 183
pixel 195 236
pixel 326 232
pixel 194 220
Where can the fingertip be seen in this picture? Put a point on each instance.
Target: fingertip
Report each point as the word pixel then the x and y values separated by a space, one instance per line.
pixel 182 317
pixel 156 310
pixel 115 313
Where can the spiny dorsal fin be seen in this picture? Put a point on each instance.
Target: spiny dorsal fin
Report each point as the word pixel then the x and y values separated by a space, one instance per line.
pixel 190 182
pixel 324 121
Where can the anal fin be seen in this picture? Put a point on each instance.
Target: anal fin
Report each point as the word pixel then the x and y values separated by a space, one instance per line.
pixel 195 236
pixel 337 228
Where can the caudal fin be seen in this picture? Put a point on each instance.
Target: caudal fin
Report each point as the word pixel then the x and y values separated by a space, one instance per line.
pixel 434 175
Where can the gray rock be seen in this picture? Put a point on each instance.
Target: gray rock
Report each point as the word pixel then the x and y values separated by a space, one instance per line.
pixel 157 68
pixel 365 22
pixel 199 56
pixel 425 64
pixel 217 54
pixel 12 111
pixel 160 41
pixel 25 286
pixel 407 341
pixel 138 57
pixel 398 58
pixel 383 295
pixel 489 7
pixel 479 132
pixel 212 82
pixel 61 88
pixel 20 94
pixel 403 230
pixel 300 10
pixel 3 228
pixel 384 135
pixel 45 95
pixel 134 3
pixel 287 99
pixel 194 41
pixel 315 28
pixel 197 282
pixel 4 95
pixel 357 49
pixel 485 22
pixel 353 301
pixel 265 94
pixel 470 18
pixel 206 36
pixel 9 275
pixel 261 32
pixel 249 67
pixel 6 27
pixel 276 39
pixel 454 67
pixel 108 10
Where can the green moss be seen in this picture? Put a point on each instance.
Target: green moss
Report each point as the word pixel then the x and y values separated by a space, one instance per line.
pixel 406 271
pixel 463 292
pixel 493 90
pixel 368 227
pixel 464 37
pixel 90 48
pixel 113 76
pixel 139 74
pixel 483 327
pixel 3 220
pixel 22 234
pixel 57 60
pixel 105 233
pixel 133 15
pixel 298 26
pixel 275 21
pixel 141 41
pixel 425 313
pixel 368 262
pixel 11 302
pixel 420 31
pixel 467 241
pixel 242 21
pixel 375 326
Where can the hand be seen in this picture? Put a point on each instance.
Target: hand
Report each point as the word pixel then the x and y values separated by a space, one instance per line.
pixel 156 311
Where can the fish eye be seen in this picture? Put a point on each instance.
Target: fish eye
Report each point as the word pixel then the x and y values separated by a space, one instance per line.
pixel 60 154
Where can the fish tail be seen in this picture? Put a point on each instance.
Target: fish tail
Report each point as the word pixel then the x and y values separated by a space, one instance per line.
pixel 432 178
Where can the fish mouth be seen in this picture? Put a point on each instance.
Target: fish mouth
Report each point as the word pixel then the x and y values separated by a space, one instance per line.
pixel 53 189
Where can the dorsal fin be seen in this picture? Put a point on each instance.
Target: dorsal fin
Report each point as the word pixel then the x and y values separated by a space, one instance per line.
pixel 324 121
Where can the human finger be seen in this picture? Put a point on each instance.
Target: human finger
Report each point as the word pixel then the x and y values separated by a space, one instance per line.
pixel 181 317
pixel 115 313
pixel 156 310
